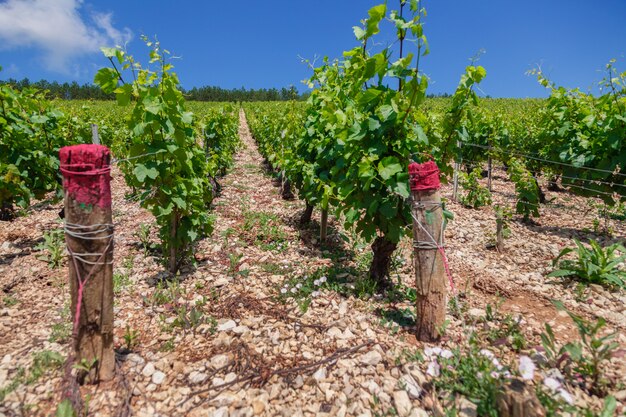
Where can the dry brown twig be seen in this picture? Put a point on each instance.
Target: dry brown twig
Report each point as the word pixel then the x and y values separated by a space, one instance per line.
pixel 264 375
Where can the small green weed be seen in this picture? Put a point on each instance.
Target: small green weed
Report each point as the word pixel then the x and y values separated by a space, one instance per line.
pixel 475 194
pixel 166 292
pixel 394 319
pixel 585 357
pixel 120 282
pixel 186 317
pixel 143 235
pixel 263 229
pixel 274 268
pixel 85 366
pixel 499 329
pixel 9 300
pixel 62 330
pixel 595 265
pixel 168 346
pixel 233 267
pixel 303 289
pixel 53 246
pixel 379 410
pixel 131 338
pixel 226 234
pixel 43 362
pixel 474 373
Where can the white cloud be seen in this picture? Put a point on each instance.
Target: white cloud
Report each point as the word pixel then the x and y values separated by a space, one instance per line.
pixel 58 29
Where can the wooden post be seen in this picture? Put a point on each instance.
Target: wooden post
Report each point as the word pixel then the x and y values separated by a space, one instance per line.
pixel 455 176
pixel 173 249
pixel 489 169
pixel 518 400
pixel 430 276
pixel 95 139
pixel 499 233
pixel 324 226
pixel 89 238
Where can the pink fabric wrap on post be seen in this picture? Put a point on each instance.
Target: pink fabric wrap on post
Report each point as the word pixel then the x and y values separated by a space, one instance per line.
pixel 86 173
pixel 424 177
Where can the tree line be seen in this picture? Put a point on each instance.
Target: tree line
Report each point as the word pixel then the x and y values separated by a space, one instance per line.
pixel 75 91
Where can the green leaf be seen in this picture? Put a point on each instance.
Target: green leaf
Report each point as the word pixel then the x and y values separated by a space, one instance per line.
pixel 376 14
pixel 123 94
pixel 560 273
pixel 180 203
pixel 388 167
pixel 610 405
pixel 359 33
pixel 65 409
pixel 152 105
pixel 39 119
pixel 108 52
pixel 141 172
pixel 107 79
pixel 187 117
pixel 388 209
pixel 373 124
pixel 386 112
pixel 366 170
pixel 368 96
pixel 402 188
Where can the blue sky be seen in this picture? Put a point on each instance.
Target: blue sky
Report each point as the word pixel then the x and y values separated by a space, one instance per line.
pixel 257 44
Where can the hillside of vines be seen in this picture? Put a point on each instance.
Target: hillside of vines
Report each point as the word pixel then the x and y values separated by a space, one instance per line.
pixel 266 256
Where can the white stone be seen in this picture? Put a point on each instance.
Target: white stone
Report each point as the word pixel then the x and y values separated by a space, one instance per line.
pixel 372 387
pixel 158 377
pixel 221 281
pixel 371 358
pixel 148 370
pixel 259 405
pixel 419 412
pixel 402 402
pixel 242 412
pixel 412 387
pixel 197 377
pixel 320 374
pixel 135 359
pixel 467 408
pixel 225 398
pixel 219 361
pixel 335 333
pixel 227 325
pixel 241 330
pixel 347 334
pixel 221 412
pixel 343 308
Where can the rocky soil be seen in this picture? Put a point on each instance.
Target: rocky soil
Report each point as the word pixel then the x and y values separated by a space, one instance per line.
pixel 270 322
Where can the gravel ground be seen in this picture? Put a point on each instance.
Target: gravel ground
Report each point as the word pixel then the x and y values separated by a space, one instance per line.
pixel 250 350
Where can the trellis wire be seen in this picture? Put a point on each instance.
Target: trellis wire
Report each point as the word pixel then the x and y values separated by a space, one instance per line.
pixel 475 145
